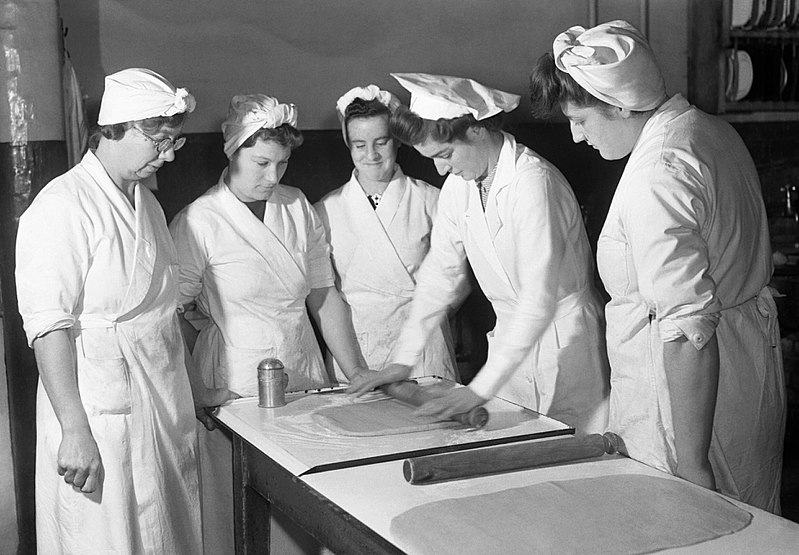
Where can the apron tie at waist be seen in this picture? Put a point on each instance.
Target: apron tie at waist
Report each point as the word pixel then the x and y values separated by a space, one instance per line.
pixel 575 300
pixel 95 323
pixel 768 308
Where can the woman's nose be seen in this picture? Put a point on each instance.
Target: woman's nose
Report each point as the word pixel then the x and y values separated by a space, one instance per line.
pixel 372 153
pixel 442 167
pixel 577 133
pixel 168 154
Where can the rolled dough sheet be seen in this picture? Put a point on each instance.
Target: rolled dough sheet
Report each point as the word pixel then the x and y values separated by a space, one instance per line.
pixel 376 418
pixel 610 514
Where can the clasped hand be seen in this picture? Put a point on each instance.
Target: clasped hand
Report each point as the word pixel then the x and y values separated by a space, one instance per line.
pixel 79 461
pixel 208 401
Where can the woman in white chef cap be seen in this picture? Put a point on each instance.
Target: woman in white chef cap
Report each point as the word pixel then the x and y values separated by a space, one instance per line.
pixel 378 225
pixel 512 217
pixel 253 256
pixel 96 281
pixel 696 371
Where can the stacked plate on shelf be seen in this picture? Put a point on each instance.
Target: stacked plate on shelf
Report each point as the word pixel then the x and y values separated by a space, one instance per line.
pixel 765 14
pixel 763 67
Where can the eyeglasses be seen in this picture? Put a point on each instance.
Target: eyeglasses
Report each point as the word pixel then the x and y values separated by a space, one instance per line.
pixel 162 145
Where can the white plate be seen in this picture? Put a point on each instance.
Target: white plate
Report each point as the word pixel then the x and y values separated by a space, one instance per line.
pixel 741 13
pixel 745 72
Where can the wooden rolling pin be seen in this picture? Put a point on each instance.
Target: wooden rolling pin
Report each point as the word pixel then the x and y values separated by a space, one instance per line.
pixel 507 458
pixel 412 393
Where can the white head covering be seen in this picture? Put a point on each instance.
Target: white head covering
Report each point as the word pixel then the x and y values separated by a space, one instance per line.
pixel 441 96
pixel 369 92
pixel 614 63
pixel 138 93
pixel 250 112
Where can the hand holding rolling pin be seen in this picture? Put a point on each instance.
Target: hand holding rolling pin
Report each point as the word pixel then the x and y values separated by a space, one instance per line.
pixel 459 403
pixel 459 400
pixel 364 382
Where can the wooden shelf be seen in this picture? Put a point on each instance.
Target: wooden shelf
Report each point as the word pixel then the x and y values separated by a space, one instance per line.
pixel 777 34
pixel 756 117
pixel 710 36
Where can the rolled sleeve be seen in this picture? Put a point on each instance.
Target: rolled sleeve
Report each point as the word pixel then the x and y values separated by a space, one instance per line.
pixel 52 254
pixel 696 329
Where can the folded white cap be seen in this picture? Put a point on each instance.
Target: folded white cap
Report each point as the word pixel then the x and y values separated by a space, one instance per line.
pixel 441 96
pixel 137 93
pixel 614 63
pixel 250 112
pixel 369 92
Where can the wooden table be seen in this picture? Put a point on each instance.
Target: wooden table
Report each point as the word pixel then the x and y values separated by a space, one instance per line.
pixel 349 505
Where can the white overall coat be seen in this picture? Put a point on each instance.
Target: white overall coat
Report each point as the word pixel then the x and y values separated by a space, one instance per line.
pixel 88 262
pixel 531 258
pixel 685 245
pixel 376 254
pixel 251 279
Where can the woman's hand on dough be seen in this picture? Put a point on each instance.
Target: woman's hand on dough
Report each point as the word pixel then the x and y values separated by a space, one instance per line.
pixel 458 400
pixel 366 381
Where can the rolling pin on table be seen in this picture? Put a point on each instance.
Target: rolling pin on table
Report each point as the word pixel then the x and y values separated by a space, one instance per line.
pixel 413 394
pixel 460 465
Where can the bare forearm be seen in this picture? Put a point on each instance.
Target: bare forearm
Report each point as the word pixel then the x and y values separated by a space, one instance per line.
pixel 332 315
pixel 693 383
pixel 55 360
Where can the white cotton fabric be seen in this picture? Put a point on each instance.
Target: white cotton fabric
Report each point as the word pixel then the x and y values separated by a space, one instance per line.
pixel 248 113
pixel 441 96
pixel 376 254
pixel 546 351
pixel 614 63
pixel 685 252
pixel 250 278
pixel 89 263
pixel 137 93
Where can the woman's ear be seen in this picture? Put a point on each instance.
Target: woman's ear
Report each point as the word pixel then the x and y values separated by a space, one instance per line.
pixel 624 113
pixel 475 132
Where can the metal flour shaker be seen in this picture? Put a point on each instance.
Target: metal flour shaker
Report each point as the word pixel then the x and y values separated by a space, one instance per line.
pixel 272 383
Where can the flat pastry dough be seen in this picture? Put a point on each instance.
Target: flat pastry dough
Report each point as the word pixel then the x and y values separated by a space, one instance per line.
pixel 628 513
pixel 376 418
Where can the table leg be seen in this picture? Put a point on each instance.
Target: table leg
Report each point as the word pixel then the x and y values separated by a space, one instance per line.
pixel 250 509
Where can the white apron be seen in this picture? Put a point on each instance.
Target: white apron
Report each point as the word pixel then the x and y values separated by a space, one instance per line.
pixel 719 263
pixel 251 279
pixel 376 253
pixel 531 257
pixel 130 367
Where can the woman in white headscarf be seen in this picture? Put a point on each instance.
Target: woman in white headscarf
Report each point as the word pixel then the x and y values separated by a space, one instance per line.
pixel 512 217
pixel 97 288
pixel 254 261
pixel 697 387
pixel 378 225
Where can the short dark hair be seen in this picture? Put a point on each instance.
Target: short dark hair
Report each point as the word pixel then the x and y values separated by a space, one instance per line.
pixel 363 109
pixel 116 131
pixel 284 135
pixel 411 129
pixel 551 87
pixel 360 108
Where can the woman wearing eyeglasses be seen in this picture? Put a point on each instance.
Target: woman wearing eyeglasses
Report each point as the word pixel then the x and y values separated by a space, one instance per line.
pixel 253 256
pixel 97 286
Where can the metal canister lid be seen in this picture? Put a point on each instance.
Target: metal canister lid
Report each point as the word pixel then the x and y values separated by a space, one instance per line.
pixel 270 364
